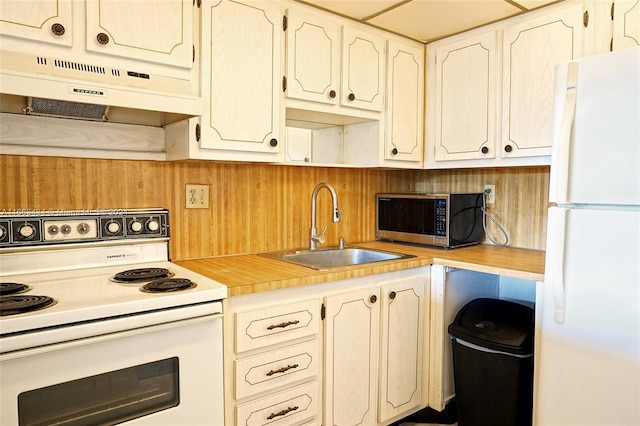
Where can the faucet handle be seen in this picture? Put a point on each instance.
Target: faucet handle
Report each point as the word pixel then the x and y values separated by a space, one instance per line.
pixel 320 238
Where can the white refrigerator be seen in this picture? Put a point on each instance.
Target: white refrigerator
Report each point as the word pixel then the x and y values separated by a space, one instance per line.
pixel 588 348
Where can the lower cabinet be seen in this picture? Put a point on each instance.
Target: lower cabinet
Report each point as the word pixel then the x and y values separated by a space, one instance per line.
pixel 349 352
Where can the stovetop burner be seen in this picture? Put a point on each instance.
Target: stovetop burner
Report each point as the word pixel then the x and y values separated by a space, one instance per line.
pixel 167 285
pixel 19 304
pixel 13 288
pixel 141 274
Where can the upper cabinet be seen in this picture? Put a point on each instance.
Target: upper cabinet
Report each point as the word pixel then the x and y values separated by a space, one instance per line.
pixel 313 77
pixel 149 31
pixel 159 32
pixel 530 52
pixel 362 70
pixel 626 24
pixel 404 113
pixel 44 21
pixel 241 68
pixel 498 115
pixel 465 99
pixel 333 64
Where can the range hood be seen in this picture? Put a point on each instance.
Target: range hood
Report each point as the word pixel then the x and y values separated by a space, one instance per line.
pixel 61 88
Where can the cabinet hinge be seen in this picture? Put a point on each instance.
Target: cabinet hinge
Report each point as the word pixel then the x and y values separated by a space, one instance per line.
pixel 323 312
pixel 585 18
pixel 613 8
pixel 285 22
pixel 284 83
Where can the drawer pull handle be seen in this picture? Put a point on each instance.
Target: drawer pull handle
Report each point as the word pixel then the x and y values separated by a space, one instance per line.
pixel 282 413
pixel 282 369
pixel 283 324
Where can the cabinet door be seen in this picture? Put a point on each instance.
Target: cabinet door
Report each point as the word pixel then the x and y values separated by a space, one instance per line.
pixel 466 99
pixel 362 70
pixel 404 111
pixel 626 24
pixel 401 347
pixel 312 58
pixel 241 76
pixel 160 31
pixel 531 50
pixel 351 357
pixel 46 21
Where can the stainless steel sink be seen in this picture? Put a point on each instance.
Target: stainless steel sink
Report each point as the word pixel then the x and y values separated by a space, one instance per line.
pixel 335 257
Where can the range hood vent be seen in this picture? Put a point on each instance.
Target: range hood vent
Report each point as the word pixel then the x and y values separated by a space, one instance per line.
pixel 85 89
pixel 66 109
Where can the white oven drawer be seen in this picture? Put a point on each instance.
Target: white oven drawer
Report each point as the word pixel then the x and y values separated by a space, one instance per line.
pixel 274 369
pixel 268 326
pixel 285 408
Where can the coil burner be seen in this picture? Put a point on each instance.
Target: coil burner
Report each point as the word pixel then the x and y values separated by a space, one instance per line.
pixel 132 276
pixel 13 288
pixel 168 285
pixel 20 304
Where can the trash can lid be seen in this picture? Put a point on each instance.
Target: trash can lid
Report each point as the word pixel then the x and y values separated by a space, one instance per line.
pixel 495 324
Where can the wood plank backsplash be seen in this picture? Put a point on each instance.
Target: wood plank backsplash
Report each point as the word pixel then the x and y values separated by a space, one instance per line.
pixel 259 207
pixel 522 196
pixel 253 207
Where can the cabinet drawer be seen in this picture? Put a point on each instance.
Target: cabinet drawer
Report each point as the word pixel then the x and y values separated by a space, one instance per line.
pixel 277 368
pixel 286 408
pixel 268 326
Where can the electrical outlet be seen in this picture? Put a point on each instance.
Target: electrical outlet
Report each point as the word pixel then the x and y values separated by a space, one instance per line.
pixel 197 196
pixel 490 194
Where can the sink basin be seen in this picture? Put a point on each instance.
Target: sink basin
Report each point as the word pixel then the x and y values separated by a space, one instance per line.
pixel 334 257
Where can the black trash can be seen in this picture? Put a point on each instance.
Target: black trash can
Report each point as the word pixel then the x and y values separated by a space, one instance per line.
pixel 493 363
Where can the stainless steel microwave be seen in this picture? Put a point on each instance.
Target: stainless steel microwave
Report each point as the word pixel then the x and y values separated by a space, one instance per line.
pixel 444 220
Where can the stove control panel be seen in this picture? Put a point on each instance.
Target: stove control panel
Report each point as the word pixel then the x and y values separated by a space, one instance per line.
pixel 29 228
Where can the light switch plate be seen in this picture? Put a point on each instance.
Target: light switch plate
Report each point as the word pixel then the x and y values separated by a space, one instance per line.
pixel 197 196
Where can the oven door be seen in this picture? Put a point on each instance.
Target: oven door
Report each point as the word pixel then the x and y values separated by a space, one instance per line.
pixel 166 374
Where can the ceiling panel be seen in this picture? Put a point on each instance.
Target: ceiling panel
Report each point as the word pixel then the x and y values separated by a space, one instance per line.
pixel 357 9
pixel 427 20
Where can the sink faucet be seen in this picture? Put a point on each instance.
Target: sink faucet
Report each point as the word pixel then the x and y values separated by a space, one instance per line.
pixel 315 238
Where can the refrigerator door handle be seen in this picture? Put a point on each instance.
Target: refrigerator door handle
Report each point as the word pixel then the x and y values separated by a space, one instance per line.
pixel 566 126
pixel 557 263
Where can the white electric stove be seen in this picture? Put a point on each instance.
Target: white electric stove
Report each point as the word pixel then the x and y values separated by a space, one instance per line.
pixel 91 299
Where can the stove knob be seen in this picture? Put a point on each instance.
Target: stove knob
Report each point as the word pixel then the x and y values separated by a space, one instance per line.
pixel 53 229
pixel 83 228
pixel 153 225
pixel 135 226
pixel 113 227
pixel 65 229
pixel 27 231
pixel 3 232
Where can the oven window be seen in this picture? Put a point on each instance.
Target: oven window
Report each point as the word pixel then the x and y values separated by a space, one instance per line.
pixel 108 398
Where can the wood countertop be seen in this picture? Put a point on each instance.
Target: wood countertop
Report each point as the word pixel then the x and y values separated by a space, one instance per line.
pixel 252 273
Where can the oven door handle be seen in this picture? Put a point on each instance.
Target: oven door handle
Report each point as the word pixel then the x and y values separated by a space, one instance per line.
pixel 109 336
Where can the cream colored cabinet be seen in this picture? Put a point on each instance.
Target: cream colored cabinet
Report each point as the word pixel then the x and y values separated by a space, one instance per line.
pixel 159 32
pixel 465 98
pixel 374 340
pixel 530 52
pixel 272 362
pixel 351 357
pixel 362 70
pixel 492 89
pixel 242 117
pixel 313 66
pixel 333 64
pixel 401 347
pixel 44 21
pixel 626 24
pixel 404 112
pixel 361 358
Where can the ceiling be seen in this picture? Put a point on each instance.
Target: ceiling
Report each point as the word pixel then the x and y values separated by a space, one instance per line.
pixel 427 20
